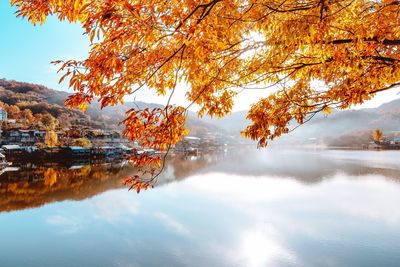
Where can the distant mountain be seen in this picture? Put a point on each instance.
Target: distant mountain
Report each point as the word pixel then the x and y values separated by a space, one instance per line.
pixel 233 123
pixel 386 117
pixel 353 125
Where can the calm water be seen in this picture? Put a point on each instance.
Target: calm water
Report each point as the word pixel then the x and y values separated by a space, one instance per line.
pixel 243 208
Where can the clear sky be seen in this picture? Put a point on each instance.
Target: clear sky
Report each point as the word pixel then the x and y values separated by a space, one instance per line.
pixel 26 52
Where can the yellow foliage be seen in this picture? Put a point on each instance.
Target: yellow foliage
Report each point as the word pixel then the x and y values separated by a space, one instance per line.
pixel 51 139
pixel 377 135
pixel 50 177
pixel 327 110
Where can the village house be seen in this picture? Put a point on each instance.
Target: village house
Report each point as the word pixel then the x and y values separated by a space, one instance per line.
pixel 395 141
pixel 111 138
pixel 22 137
pixel 3 115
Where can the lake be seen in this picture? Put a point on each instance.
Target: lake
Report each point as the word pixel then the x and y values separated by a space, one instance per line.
pixel 242 207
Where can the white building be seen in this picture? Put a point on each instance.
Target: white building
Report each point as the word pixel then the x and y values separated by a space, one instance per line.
pixel 3 115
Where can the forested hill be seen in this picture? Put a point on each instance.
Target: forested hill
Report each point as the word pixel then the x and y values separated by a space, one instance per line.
pixel 40 100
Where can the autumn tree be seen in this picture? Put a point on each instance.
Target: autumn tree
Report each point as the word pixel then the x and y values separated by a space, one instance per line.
pixel 27 116
pixel 5 125
pixel 51 138
pixel 377 135
pixel 49 122
pixel 316 54
pixel 14 112
pixel 65 120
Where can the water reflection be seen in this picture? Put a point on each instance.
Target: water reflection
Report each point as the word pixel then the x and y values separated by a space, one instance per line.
pixel 35 184
pixel 310 166
pixel 244 208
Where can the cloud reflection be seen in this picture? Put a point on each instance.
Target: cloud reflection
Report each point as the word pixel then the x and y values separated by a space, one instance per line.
pixel 114 206
pixel 331 212
pixel 65 224
pixel 172 223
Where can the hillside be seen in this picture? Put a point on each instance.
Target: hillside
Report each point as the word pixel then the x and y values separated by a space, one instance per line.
pixel 37 98
pixel 40 99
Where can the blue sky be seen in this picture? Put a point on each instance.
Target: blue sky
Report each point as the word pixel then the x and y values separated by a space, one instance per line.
pixel 26 51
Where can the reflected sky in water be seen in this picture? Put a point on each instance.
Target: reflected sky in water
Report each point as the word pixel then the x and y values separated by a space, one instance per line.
pixel 245 208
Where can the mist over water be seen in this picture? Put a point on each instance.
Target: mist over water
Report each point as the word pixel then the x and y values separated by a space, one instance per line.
pixel 239 208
